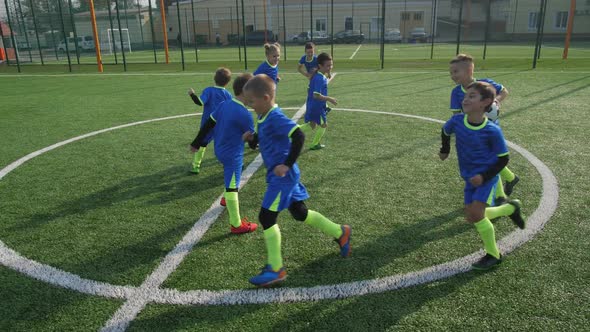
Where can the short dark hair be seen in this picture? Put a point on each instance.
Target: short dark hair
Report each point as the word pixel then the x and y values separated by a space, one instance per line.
pixel 323 57
pixel 222 76
pixel 486 90
pixel 261 85
pixel 309 45
pixel 239 83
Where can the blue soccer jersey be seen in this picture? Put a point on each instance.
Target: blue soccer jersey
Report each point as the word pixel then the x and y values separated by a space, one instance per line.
pixel 274 131
pixel 317 85
pixel 310 66
pixel 478 148
pixel 232 120
pixel 458 94
pixel 269 70
pixel 210 98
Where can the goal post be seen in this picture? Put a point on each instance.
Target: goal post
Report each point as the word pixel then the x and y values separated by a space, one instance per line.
pixel 111 38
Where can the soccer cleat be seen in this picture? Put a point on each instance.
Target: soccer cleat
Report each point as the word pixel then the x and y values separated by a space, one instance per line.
pixel 500 200
pixel 516 216
pixel 344 241
pixel 245 227
pixel 317 147
pixel 328 109
pixel 195 171
pixel 268 277
pixel 222 202
pixel 509 186
pixel 487 262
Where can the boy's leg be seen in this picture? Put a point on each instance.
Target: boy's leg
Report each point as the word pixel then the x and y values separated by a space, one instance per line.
pixel 231 173
pixel 512 210
pixel 198 158
pixel 341 233
pixel 510 178
pixel 315 144
pixel 273 272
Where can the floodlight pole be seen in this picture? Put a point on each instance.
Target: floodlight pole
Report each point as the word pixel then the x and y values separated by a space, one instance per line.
pixel 570 27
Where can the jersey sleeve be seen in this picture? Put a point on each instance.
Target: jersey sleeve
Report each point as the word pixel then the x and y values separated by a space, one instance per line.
pixel 259 70
pixel 499 143
pixel 205 96
pixel 448 127
pixel 316 87
pixel 283 126
pixel 456 102
pixel 246 122
pixel 302 60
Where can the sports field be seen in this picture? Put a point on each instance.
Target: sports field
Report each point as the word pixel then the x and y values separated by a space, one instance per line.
pixel 121 236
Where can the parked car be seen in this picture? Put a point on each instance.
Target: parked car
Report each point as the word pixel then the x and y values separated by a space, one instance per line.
pixel 419 35
pixel 319 37
pixel 259 37
pixel 349 36
pixel 85 43
pixel 392 36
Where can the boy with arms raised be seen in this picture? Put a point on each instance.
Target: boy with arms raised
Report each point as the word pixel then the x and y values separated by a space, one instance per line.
pixel 482 153
pixel 280 141
pixel 461 69
pixel 230 120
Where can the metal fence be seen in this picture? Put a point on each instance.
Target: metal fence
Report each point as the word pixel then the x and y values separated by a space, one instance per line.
pixel 49 32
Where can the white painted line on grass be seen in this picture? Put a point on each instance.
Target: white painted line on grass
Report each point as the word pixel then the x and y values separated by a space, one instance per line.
pixel 357 49
pixel 138 297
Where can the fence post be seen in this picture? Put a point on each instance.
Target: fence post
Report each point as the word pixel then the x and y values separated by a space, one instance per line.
pixel 487 31
pixel 570 27
pixel 238 30
pixel 460 23
pixel 36 31
pixel 74 30
pixel 112 43
pixel 382 34
pixel 63 29
pixel 12 36
pixel 244 31
pixel 152 30
pixel 51 27
pixel 24 25
pixel 180 34
pixel 195 31
pixel 121 36
pixel 140 21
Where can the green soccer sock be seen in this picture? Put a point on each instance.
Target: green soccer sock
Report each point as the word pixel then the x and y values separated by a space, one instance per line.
pixel 500 189
pixel 272 238
pixel 499 211
pixel 318 136
pixel 233 208
pixel 324 224
pixel 488 235
pixel 305 126
pixel 506 174
pixel 199 158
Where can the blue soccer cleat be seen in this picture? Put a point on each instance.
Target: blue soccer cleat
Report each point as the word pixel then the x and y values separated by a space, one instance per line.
pixel 344 241
pixel 268 277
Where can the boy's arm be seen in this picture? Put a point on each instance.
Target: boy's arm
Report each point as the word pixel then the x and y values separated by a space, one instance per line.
pixel 297 140
pixel 301 69
pixel 194 97
pixel 502 95
pixel 197 142
pixel 496 168
pixel 319 96
pixel 445 145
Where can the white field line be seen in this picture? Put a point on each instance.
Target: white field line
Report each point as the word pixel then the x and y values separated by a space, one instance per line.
pixel 357 49
pixel 134 305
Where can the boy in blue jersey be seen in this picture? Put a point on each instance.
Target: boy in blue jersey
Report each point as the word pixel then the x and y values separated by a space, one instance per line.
pixel 270 67
pixel 482 153
pixel 231 120
pixel 317 96
pixel 280 141
pixel 308 64
pixel 210 98
pixel 461 69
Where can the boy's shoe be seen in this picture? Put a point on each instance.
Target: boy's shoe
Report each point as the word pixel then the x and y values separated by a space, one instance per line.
pixel 317 147
pixel 344 241
pixel 516 216
pixel 195 171
pixel 222 202
pixel 328 109
pixel 500 200
pixel 245 227
pixel 509 186
pixel 269 277
pixel 487 262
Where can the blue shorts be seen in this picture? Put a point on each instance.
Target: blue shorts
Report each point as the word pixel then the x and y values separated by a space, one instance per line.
pixel 485 193
pixel 232 171
pixel 280 196
pixel 317 116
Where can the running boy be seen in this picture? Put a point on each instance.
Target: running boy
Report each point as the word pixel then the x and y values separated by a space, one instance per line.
pixel 270 67
pixel 482 153
pixel 308 64
pixel 210 98
pixel 232 120
pixel 317 96
pixel 281 142
pixel 461 70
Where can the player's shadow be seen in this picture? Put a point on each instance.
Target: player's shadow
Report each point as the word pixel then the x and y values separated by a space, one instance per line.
pixel 162 187
pixel 552 88
pixel 353 89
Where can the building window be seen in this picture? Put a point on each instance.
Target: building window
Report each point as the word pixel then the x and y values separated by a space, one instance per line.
pixel 561 20
pixel 405 16
pixel 348 23
pixel 376 24
pixel 418 16
pixel 321 24
pixel 533 20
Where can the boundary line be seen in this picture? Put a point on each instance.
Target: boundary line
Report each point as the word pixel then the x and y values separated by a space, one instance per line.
pixel 357 49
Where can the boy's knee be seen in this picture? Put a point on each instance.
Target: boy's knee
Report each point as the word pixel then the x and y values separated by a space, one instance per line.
pixel 267 218
pixel 475 212
pixel 324 125
pixel 298 211
pixel 229 190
